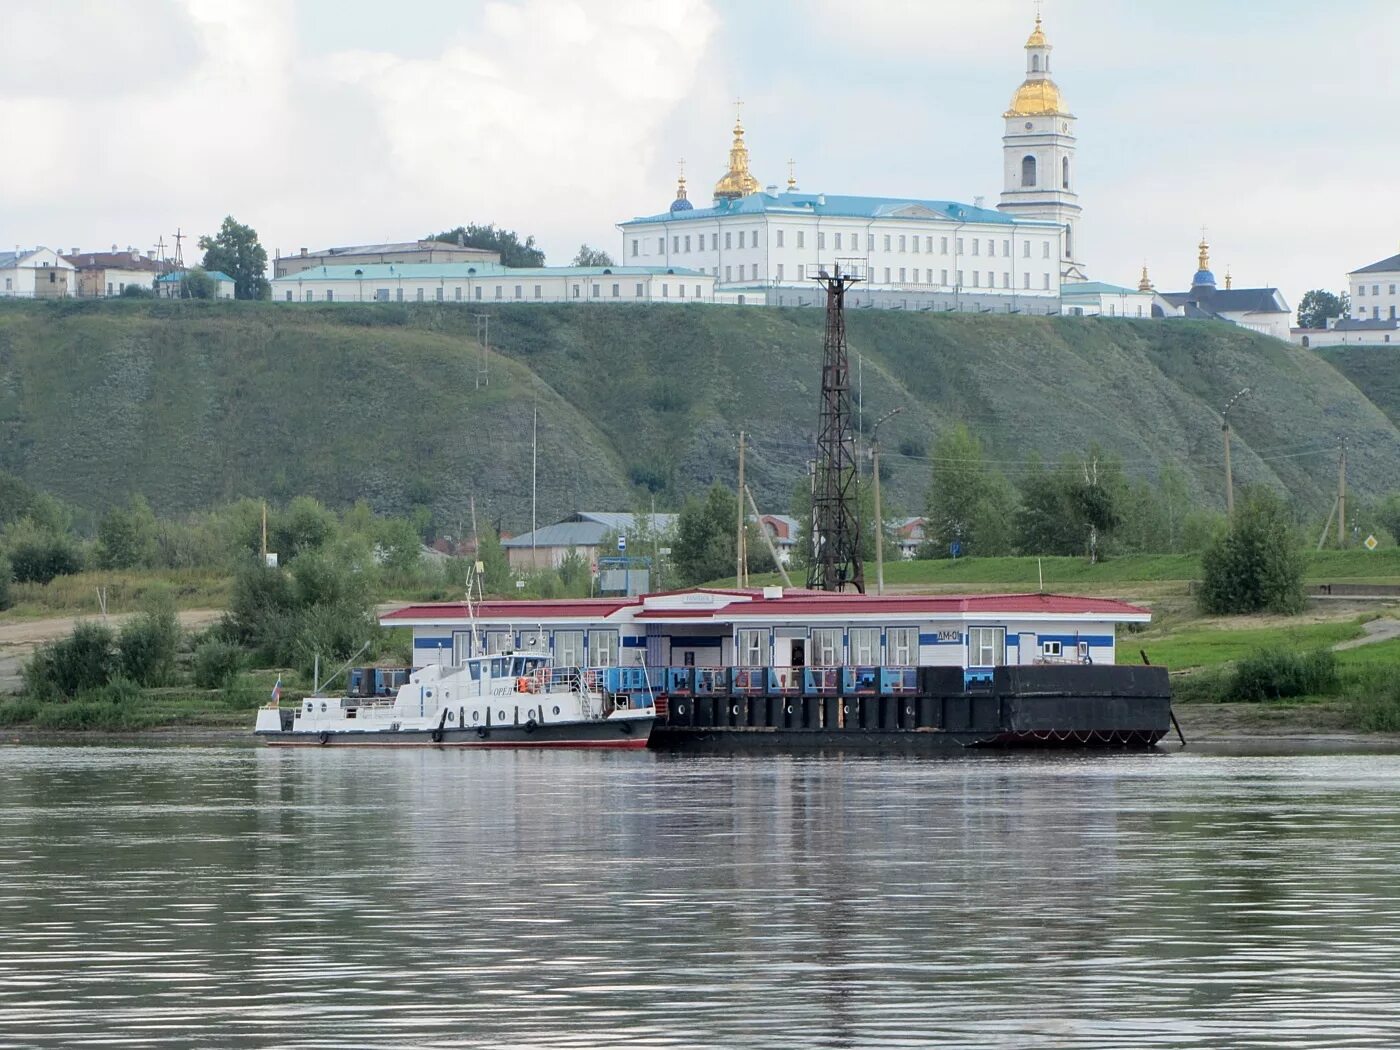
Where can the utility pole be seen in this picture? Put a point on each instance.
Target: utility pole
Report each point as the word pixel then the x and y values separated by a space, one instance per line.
pixel 264 532
pixel 1342 498
pixel 879 517
pixel 1225 430
pixel 741 560
pixel 787 580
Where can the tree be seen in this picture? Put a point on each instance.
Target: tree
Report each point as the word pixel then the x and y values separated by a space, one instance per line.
pixel 137 291
pixel 126 536
pixel 704 544
pixel 37 554
pixel 495 576
pixel 197 284
pixel 147 643
pixel 1255 565
pixel 969 503
pixel 1387 514
pixel 1318 305
pixel 513 251
pixel 592 257
pixel 5 574
pixel 235 250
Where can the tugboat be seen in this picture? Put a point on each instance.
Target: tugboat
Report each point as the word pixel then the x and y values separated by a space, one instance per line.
pixel 508 699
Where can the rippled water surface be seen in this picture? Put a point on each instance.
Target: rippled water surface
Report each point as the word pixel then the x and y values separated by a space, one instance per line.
pixel 232 897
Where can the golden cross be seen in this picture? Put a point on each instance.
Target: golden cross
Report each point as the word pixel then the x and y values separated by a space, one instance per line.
pixel 738 105
pixel 1037 10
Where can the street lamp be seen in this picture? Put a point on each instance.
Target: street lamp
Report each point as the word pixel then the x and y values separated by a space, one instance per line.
pixel 879 519
pixel 1225 429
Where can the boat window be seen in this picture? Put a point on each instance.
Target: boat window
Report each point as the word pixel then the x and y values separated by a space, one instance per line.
pixel 498 667
pixel 497 641
pixel 517 667
pixel 474 670
pixel 533 664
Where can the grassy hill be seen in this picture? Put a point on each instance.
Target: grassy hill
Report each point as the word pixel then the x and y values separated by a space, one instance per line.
pixel 1375 371
pixel 193 403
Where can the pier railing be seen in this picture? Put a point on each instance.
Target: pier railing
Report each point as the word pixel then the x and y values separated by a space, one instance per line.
pixel 784 681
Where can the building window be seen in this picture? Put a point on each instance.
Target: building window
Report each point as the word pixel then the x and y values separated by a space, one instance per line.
pixel 1064 173
pixel 838 248
pixel 1051 649
pixel 960 278
pixel 640 292
pixel 801 272
pixel 457 293
pixel 575 291
pixel 976 246
pixel 943 245
pixel 727 274
pixel 602 648
pixel 595 291
pixel 755 271
pixel 500 289
pixel 617 291
pixel 741 239
pixel 661 246
pixel 537 291
pixel 826 647
pixel 992 248
pixel 697 291
pixel 289 291
pixel 665 291
pixel 865 646
pixel 1392 289
pixel 1028 171
pixel 902 646
pixel 1112 310
pixel 1026 281
pixel 887 275
pixel 1361 291
pixel 687 242
pixel 634 247
pixel 729 239
pixel 801 238
pixel 418 294
pixel 901 242
pixel 1047 282
pixel 986 646
pixel 887 242
pixel 1045 250
pixel 821 241
pixel 780 271
pixel 915 244
pixel 1025 249
pixel 943 278
pixel 976 279
pixel 753 648
pixel 568 648
pixel 1006 280
pixel 310 296
pixel 476 293
pixel 675 244
pixel 681 290
pixel 780 238
pixel 520 291
pixel 870 242
pixel 901 275
pixel 1375 288
pixel 928 277
pixel 960 245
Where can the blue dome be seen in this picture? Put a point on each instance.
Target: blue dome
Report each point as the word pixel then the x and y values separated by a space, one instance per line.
pixel 1203 279
pixel 681 204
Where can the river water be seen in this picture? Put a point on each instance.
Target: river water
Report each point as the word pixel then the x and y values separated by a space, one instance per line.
pixel 243 897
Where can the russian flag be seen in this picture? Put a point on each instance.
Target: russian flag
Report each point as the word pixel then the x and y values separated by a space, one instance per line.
pixel 277 690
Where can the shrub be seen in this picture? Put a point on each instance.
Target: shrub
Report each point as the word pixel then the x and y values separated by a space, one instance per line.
pixel 1257 564
pixel 147 645
pixel 86 659
pixel 1272 674
pixel 39 557
pixel 216 664
pixel 1376 708
pixel 5 600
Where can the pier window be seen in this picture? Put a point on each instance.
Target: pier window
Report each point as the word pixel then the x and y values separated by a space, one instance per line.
pixel 568 648
pixel 865 646
pixel 753 648
pixel 986 646
pixel 826 647
pixel 496 641
pixel 602 648
pixel 902 646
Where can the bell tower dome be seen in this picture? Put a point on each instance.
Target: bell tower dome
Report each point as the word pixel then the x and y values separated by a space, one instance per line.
pixel 1038 155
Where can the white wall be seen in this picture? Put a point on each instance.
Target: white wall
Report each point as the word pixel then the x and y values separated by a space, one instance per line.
pixel 677 288
pixel 1372 292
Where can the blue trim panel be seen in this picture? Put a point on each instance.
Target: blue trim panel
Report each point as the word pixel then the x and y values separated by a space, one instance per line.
pixel 433 642
pixel 1100 640
pixel 933 639
pixel 698 641
pixel 637 641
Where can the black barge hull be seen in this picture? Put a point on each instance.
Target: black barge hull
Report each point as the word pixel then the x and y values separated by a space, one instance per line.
pixel 1021 707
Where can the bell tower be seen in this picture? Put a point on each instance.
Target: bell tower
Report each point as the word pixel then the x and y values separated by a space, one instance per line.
pixel 1039 174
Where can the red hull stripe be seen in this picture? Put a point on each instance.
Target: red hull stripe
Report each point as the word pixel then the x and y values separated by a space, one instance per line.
pixel 631 744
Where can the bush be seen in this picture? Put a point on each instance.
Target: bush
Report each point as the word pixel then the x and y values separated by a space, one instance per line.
pixel 38 558
pixel 1271 674
pixel 1257 564
pixel 86 659
pixel 216 664
pixel 5 600
pixel 147 646
pixel 1376 708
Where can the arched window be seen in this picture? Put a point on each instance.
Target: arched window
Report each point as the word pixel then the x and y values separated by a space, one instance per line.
pixel 1027 171
pixel 1069 242
pixel 1064 172
pixel 1035 63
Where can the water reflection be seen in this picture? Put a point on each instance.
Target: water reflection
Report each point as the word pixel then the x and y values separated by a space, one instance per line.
pixel 244 897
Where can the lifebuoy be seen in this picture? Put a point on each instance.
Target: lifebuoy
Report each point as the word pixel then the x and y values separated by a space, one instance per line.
pixel 324 738
pixel 522 684
pixel 531 726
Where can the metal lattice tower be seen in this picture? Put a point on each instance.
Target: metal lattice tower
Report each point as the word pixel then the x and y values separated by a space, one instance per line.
pixel 835 564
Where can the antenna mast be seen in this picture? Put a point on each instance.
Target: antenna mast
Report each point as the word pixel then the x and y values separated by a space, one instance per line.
pixel 835 563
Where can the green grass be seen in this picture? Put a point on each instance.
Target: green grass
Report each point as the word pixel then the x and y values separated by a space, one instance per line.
pixel 127 591
pixel 195 403
pixel 1211 645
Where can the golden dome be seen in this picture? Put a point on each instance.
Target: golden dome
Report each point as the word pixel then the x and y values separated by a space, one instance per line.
pixel 1037 98
pixel 737 182
pixel 1037 37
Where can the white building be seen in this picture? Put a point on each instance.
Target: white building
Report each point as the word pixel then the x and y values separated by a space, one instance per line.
pixel 38 273
pixel 774 628
pixel 766 246
pixel 1350 331
pixel 101 274
pixel 398 252
pixel 494 283
pixel 1373 288
pixel 168 286
pixel 582 534
pixel 1097 299
pixel 1261 310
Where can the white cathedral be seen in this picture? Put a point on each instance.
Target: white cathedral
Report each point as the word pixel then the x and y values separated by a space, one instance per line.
pixel 763 246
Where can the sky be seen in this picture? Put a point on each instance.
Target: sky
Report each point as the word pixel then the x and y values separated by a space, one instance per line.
pixel 331 122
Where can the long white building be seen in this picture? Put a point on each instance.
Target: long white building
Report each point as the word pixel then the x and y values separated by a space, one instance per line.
pixel 764 246
pixel 492 283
